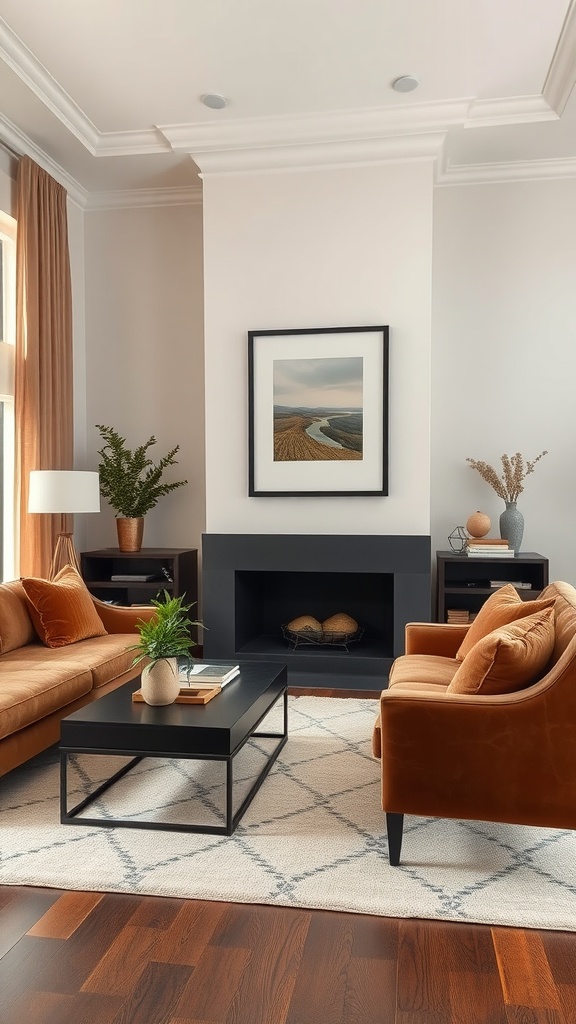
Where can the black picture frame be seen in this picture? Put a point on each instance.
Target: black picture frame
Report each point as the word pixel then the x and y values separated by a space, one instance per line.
pixel 332 381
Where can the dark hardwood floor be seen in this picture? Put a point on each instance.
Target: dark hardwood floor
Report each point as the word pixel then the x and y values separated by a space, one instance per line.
pixel 106 958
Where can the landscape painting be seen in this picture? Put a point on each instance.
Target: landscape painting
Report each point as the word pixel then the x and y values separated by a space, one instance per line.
pixel 318 409
pixel 318 412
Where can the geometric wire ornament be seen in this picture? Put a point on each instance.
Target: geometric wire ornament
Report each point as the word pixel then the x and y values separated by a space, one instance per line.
pixel 457 539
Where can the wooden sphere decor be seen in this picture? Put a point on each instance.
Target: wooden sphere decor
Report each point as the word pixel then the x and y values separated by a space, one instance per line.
pixel 478 524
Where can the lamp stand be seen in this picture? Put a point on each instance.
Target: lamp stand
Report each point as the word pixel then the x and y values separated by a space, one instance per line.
pixel 64 554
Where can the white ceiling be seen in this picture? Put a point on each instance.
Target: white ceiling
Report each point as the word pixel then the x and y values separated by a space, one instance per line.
pixel 106 93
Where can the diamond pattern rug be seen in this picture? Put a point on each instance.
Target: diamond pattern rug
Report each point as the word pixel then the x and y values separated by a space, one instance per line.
pixel 313 837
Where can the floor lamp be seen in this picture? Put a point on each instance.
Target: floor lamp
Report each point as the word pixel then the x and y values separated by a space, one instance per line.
pixel 63 492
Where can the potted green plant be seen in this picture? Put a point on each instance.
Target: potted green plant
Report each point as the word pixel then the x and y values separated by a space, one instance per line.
pixel 132 483
pixel 163 639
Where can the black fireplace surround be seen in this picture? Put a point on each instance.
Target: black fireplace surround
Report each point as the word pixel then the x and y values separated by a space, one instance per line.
pixel 252 584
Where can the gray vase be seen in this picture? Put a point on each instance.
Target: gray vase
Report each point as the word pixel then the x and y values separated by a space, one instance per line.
pixel 512 526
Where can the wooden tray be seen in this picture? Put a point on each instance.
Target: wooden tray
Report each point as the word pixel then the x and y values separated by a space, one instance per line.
pixel 189 695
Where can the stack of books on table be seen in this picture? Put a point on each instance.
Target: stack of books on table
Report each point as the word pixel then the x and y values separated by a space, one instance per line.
pixel 488 547
pixel 201 674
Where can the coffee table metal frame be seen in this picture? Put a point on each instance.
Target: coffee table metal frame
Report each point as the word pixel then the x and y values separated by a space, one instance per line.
pixel 70 817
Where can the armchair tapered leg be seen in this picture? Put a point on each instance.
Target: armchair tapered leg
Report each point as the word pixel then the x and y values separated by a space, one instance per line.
pixel 394 828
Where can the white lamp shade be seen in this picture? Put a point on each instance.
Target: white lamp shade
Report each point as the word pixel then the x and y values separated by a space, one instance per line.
pixel 64 491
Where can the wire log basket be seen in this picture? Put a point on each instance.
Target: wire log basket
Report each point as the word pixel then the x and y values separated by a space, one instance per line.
pixel 320 638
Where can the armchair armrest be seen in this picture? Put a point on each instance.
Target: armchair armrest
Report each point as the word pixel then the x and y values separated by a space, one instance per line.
pixel 119 619
pixel 440 638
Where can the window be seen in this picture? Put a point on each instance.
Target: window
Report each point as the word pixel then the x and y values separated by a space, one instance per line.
pixel 7 342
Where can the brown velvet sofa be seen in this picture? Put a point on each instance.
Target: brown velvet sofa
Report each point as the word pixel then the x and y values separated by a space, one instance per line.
pixel 508 757
pixel 40 685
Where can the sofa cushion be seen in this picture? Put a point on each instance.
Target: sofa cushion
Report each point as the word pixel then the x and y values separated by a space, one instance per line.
pixel 509 658
pixel 502 607
pixel 34 682
pixel 564 615
pixel 16 626
pixel 422 672
pixel 107 656
pixel 62 609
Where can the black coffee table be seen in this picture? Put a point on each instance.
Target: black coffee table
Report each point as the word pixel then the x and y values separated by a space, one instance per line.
pixel 216 731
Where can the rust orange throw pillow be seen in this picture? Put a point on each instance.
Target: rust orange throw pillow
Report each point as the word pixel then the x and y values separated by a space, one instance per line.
pixel 509 658
pixel 502 607
pixel 62 610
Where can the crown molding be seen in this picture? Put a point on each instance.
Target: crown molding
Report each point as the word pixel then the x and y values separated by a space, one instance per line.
pixel 35 76
pixel 324 156
pixel 146 197
pixel 562 71
pixel 22 145
pixel 332 139
pixel 514 170
pixel 509 110
pixel 342 138
pixel 132 143
pixel 332 126
pixel 29 69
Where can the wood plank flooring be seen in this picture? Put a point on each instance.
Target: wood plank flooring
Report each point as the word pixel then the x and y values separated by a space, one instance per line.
pixel 107 958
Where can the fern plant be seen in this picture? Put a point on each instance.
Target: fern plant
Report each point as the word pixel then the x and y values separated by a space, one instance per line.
pixel 129 479
pixel 167 633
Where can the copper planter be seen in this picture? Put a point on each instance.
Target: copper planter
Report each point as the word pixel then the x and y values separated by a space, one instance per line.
pixel 130 533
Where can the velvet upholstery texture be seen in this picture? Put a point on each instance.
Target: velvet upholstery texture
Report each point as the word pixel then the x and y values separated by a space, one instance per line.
pixel 62 610
pixel 489 757
pixel 16 627
pixel 502 607
pixel 508 658
pixel 33 687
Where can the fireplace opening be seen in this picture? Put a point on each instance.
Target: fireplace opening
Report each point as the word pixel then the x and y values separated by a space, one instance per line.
pixel 265 601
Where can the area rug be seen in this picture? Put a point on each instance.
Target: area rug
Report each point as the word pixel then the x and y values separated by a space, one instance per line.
pixel 313 837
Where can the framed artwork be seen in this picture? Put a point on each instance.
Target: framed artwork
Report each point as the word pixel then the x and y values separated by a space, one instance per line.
pixel 318 412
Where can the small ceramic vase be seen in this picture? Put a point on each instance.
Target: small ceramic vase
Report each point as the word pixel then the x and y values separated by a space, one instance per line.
pixel 512 526
pixel 160 682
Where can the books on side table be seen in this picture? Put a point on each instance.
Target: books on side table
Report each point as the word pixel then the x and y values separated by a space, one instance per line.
pixel 519 584
pixel 488 547
pixel 460 615
pixel 134 577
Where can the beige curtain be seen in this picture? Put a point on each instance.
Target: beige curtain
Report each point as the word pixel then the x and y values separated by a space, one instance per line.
pixel 43 376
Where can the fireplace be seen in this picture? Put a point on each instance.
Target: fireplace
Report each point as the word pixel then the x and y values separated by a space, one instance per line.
pixel 253 584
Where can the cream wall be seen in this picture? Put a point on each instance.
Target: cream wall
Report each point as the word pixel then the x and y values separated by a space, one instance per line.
pixel 504 356
pixel 144 355
pixel 322 248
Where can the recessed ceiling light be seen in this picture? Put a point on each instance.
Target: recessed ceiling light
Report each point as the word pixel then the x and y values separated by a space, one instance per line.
pixel 213 100
pixel 406 83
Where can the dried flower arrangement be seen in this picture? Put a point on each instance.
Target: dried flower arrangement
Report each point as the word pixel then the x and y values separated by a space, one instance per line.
pixel 515 470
